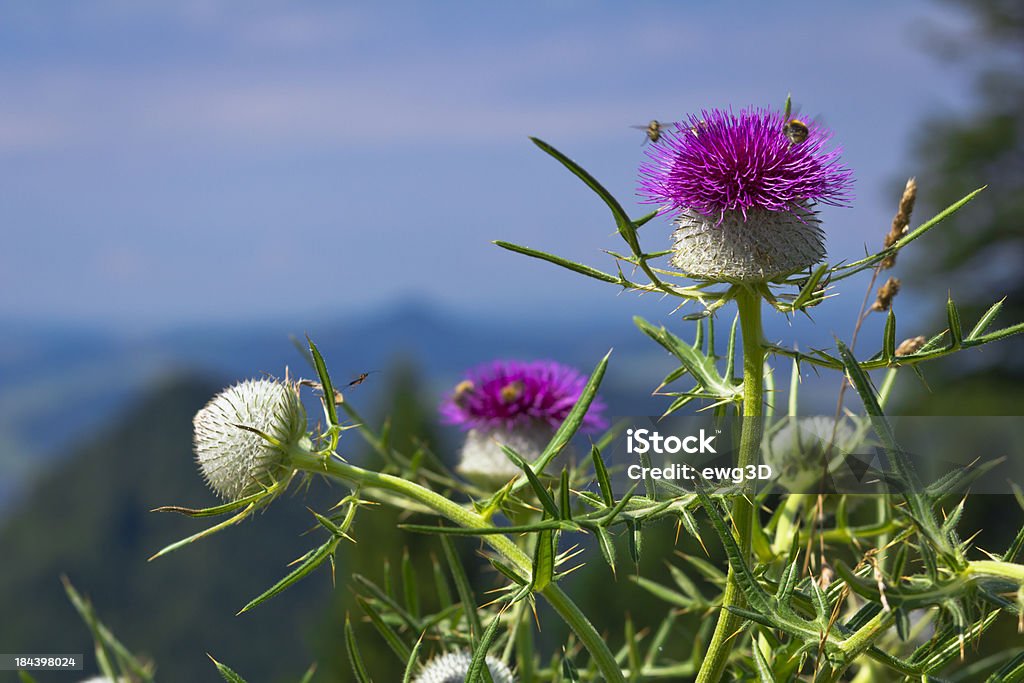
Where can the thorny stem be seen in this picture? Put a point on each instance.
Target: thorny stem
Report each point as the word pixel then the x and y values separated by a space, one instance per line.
pixel 748 301
pixel 302 459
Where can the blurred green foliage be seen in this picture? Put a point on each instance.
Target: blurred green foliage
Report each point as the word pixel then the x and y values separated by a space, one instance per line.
pixel 978 253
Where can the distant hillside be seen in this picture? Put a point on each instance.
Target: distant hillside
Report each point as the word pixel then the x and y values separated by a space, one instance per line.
pixel 61 382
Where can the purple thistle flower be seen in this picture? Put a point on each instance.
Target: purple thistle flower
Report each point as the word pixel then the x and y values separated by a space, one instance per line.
pixel 719 162
pixel 510 394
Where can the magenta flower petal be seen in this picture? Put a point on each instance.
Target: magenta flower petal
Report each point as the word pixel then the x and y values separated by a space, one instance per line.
pixel 718 161
pixel 510 394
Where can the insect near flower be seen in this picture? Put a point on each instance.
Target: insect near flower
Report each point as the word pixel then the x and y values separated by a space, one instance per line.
pixel 653 130
pixel 796 130
pixel 360 379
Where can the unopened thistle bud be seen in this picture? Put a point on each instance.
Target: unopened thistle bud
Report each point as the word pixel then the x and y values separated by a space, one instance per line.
pixel 517 404
pixel 237 462
pixel 910 346
pixel 886 293
pixel 453 667
pixel 743 192
pixel 901 221
pixel 797 453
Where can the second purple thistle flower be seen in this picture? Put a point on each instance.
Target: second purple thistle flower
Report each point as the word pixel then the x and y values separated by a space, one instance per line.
pixel 743 192
pixel 518 404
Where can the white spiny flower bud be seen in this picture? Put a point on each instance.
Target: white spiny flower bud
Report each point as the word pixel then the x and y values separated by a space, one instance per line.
pixel 763 245
pixel 453 667
pixel 796 453
pixel 482 460
pixel 234 461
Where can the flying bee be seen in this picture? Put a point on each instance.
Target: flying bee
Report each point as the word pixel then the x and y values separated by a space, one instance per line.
pixel 796 130
pixel 360 379
pixel 654 130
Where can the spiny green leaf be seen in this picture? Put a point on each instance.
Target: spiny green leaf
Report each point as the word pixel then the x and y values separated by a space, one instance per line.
pixel 410 665
pixel 808 293
pixel 463 588
pixel 632 651
pixel 490 530
pixel 393 640
pixel 635 539
pixel 563 262
pixel 756 596
pixel 309 563
pixel 613 514
pixel 625 226
pixel 1012 671
pixel 212 511
pixel 441 589
pixel 847 270
pixel 226 673
pixel 764 671
pixel 388 599
pixel 1018 542
pixel 354 657
pixel 205 532
pixel 569 671
pixel 953 317
pixel 479 661
pixel 507 571
pixel 603 481
pixel 700 366
pixel 662 593
pixel 325 382
pixel 730 352
pixel 563 490
pixel 546 501
pixel 889 337
pixel 544 560
pixel 999 334
pixel 986 320
pixel 604 541
pixel 412 596
pixel 308 676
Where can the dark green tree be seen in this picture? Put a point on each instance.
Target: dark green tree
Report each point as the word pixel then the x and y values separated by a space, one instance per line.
pixel 978 253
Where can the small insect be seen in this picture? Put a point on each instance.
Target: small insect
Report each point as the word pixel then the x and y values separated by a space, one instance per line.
pixel 462 391
pixel 360 379
pixel 512 391
pixel 654 130
pixel 796 130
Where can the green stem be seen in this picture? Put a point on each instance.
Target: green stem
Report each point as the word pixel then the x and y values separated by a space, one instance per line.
pixel 1002 570
pixel 789 521
pixel 302 459
pixel 748 301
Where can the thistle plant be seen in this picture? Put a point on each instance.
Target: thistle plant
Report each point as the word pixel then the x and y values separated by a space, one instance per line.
pixel 514 404
pixel 806 585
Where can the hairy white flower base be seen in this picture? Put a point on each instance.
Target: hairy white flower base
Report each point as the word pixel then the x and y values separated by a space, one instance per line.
pixel 236 462
pixel 796 452
pixel 765 246
pixel 453 667
pixel 482 460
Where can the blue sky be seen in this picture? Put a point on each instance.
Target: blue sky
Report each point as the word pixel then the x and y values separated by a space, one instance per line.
pixel 175 163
